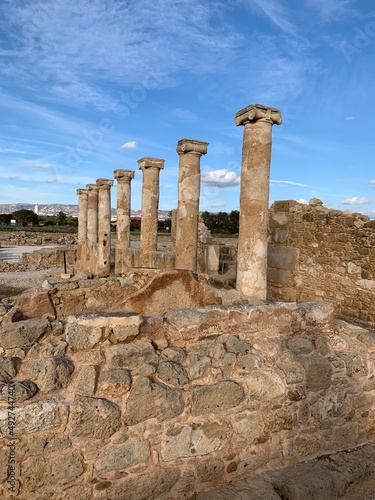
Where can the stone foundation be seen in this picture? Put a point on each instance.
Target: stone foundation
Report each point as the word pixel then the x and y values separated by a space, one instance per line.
pixel 142 407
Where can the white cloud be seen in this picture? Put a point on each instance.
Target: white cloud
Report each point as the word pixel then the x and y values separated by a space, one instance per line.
pixel 349 118
pixel 129 145
pixel 343 181
pixel 302 200
pixel 332 10
pixel 275 12
pixel 372 181
pixel 220 178
pixel 291 183
pixel 43 165
pixel 358 201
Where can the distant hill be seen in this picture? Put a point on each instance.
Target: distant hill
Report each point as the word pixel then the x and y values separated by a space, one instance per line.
pixel 55 208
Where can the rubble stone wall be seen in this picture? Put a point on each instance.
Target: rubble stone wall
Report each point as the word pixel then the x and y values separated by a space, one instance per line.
pixel 123 405
pixel 321 254
pixel 31 238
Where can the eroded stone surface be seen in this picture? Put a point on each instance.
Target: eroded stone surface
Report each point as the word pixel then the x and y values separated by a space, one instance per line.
pixel 216 398
pixel 94 417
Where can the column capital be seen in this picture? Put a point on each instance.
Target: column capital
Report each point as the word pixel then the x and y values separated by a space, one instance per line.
pixel 123 175
pixel 91 187
pixel 81 191
pixel 144 163
pixel 104 183
pixel 256 112
pixel 191 146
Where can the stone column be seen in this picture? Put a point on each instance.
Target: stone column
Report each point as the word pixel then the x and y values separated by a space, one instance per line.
pixel 124 178
pixel 189 179
pixel 82 228
pixel 150 204
pixel 104 225
pixel 254 198
pixel 91 258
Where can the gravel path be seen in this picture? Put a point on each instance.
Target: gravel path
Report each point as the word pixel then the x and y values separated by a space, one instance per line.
pixel 26 279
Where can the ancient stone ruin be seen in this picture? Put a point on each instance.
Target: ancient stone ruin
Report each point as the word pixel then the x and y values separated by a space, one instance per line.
pixel 138 378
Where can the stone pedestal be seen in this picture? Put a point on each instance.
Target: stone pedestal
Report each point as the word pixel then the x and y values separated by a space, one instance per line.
pixel 91 254
pixel 190 152
pixel 82 228
pixel 254 198
pixel 123 178
pixel 150 205
pixel 104 225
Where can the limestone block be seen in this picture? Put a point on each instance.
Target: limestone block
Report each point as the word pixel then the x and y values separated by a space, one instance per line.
pixel 38 445
pixel 34 417
pixel 250 362
pixel 196 440
pixel 278 275
pixel 85 383
pixel 132 355
pixel 303 445
pixel 293 374
pixel 54 470
pixel 210 470
pixel 36 304
pixel 198 367
pixel 318 372
pixel 263 385
pixel 80 336
pixel 81 491
pixel 8 368
pixel 157 481
pixel 48 350
pixel 227 363
pixel 132 452
pixel 254 488
pixel 172 373
pixel 151 400
pixel 4 454
pixel 281 420
pixel 92 357
pixel 354 362
pixel 23 391
pixel 300 345
pixel 23 333
pixel 115 383
pixel 237 345
pixel 94 417
pixel 175 354
pixel 249 425
pixel 216 398
pixel 50 373
pixel 282 257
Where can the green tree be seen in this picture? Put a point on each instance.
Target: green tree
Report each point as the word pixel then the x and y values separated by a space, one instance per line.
pixel 61 219
pixel 25 216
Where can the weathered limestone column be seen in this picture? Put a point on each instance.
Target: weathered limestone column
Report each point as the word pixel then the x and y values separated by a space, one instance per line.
pixel 124 178
pixel 82 228
pixel 104 225
pixel 91 254
pixel 150 204
pixel 254 198
pixel 189 180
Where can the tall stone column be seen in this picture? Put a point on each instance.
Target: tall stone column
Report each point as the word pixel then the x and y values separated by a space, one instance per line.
pixel 190 152
pixel 104 225
pixel 150 204
pixel 82 228
pixel 254 198
pixel 124 178
pixel 91 258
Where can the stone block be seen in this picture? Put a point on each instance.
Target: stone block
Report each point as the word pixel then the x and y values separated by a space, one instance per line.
pixel 318 372
pixel 252 488
pixel 249 425
pixel 156 482
pixel 23 333
pixel 354 362
pixel 85 383
pixel 115 383
pixel 8 368
pixel 132 355
pixel 46 444
pixel 80 336
pixel 49 350
pixel 172 373
pixel 54 470
pixel 210 470
pixel 50 373
pixel 278 275
pixel 131 453
pixel 94 417
pixel 263 385
pixel 23 391
pixel 282 257
pixel 293 374
pixel 195 440
pixel 216 398
pixel 151 400
pixel 237 345
pixel 31 418
pixel 250 362
pixel 300 345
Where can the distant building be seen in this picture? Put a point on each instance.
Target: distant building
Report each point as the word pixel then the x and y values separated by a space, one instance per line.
pixel 36 209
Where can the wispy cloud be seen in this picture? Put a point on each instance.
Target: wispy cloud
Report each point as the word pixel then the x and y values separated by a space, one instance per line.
pixel 275 13
pixel 372 181
pixel 220 178
pixel 291 183
pixel 43 165
pixel 333 10
pixel 302 200
pixel 349 118
pixel 343 181
pixel 129 145
pixel 184 114
pixel 355 200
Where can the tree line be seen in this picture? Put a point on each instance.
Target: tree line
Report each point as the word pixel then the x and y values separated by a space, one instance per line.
pixel 222 222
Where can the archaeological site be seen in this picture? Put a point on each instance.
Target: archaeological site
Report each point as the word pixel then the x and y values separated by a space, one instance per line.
pixel 198 369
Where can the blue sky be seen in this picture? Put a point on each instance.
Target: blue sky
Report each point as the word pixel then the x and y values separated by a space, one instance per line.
pixel 88 87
